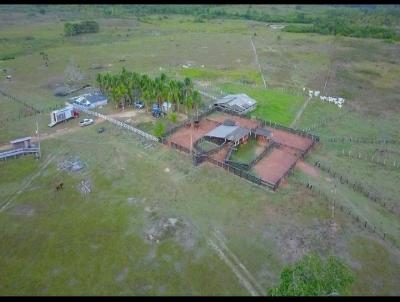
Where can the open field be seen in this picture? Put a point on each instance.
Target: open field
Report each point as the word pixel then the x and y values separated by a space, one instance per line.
pixel 105 242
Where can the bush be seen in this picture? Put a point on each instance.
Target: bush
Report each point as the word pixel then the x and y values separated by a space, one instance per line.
pixel 173 116
pixel 7 57
pixel 73 29
pixel 159 129
pixel 312 276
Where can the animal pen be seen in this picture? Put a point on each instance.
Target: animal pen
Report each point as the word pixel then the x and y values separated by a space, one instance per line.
pixel 219 134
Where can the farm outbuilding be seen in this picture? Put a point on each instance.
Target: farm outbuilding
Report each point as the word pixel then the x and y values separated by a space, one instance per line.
pixel 90 100
pixel 235 134
pixel 262 134
pixel 24 142
pixel 239 103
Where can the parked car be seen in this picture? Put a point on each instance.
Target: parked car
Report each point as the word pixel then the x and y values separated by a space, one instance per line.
pixel 139 105
pixel 86 122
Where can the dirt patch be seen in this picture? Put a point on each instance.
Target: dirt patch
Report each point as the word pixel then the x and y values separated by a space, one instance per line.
pixel 306 168
pixel 121 275
pixel 162 228
pixel 72 164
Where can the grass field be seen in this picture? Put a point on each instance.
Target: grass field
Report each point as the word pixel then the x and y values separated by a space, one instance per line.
pixel 68 243
pixel 247 152
pixel 272 105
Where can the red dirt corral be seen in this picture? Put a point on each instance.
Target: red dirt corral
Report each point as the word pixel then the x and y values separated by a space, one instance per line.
pixel 240 121
pixel 272 167
pixel 290 139
pixel 182 136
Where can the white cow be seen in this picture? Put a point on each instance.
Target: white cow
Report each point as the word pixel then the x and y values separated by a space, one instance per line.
pixel 316 93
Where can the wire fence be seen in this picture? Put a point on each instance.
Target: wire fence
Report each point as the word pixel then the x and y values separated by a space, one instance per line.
pixel 13 98
pixel 395 164
pixel 361 140
pixel 391 205
pixel 362 222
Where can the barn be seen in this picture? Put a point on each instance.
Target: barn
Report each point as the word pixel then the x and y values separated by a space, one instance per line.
pixel 238 103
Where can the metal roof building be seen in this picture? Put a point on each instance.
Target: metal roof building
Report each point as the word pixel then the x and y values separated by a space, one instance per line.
pixel 230 133
pixel 90 100
pixel 239 103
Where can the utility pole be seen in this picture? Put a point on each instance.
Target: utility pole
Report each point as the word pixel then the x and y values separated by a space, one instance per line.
pixel 38 135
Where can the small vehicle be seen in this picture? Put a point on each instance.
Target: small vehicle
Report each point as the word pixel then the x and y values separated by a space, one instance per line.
pixel 156 111
pixel 86 122
pixel 139 105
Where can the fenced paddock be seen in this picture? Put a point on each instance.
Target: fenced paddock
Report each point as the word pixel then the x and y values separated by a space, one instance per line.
pixel 274 167
pixel 361 222
pixel 358 186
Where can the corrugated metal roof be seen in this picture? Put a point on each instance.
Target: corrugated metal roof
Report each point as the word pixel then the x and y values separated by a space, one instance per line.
pixel 19 140
pixel 222 131
pixel 263 132
pixel 237 102
pixel 232 133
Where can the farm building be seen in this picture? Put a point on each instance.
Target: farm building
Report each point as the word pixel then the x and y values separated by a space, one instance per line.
pixel 239 103
pixel 24 142
pixel 262 134
pixel 90 100
pixel 235 134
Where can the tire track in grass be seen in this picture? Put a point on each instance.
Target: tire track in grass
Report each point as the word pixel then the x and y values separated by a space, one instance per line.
pixel 243 281
pixel 298 115
pixel 258 62
pixel 28 182
pixel 221 240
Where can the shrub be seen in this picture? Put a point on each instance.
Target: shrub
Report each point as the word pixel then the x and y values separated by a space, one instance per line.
pixel 159 129
pixel 173 116
pixel 73 29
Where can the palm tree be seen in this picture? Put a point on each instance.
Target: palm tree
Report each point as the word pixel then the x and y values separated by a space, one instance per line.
pixel 181 93
pixel 173 92
pixel 147 87
pixel 197 101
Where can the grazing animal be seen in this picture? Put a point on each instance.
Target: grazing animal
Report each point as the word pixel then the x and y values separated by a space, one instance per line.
pixel 60 186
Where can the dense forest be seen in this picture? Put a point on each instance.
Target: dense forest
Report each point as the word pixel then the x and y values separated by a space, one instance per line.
pixel 369 21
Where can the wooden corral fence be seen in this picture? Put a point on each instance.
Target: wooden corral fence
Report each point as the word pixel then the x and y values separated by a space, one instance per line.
pixel 118 123
pixel 243 174
pixel 390 205
pixel 313 137
pixel 363 223
pixel 17 152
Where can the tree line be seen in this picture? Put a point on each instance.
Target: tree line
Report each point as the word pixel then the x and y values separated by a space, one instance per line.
pixel 73 29
pixel 124 88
